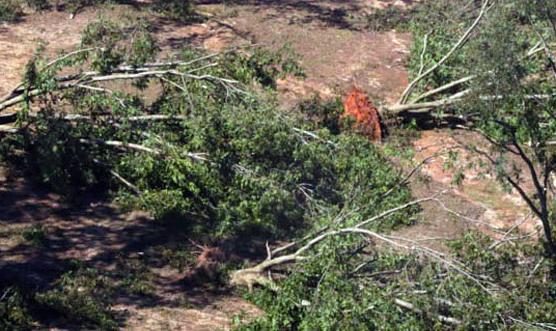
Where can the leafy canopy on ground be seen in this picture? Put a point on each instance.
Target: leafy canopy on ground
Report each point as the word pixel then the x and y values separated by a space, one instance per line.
pixel 504 77
pixel 210 153
pixel 507 100
pixel 195 140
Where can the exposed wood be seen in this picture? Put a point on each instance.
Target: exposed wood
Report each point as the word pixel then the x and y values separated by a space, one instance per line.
pixel 413 308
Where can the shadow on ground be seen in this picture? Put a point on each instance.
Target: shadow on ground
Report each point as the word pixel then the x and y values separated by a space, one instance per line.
pixel 93 233
pixel 336 14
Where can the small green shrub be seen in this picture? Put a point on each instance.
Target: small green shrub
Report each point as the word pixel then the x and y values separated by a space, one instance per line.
pixel 74 6
pixel 134 276
pixel 179 258
pixel 182 10
pixel 427 15
pixel 14 314
pixel 82 296
pixel 36 235
pixel 264 66
pixel 109 37
pixel 10 10
pixel 389 18
pixel 38 4
pixel 322 114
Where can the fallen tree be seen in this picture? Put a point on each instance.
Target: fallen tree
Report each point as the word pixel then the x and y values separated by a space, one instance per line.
pixel 505 93
pixel 208 153
pixel 454 95
pixel 89 80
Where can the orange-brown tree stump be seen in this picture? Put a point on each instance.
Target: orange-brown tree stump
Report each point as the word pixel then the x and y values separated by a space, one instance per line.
pixel 364 114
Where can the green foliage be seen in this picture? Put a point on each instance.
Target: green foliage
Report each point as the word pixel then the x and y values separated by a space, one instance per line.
pixel 231 164
pixel 83 296
pixel 509 97
pixel 14 314
pixel 264 66
pixel 179 258
pixel 74 6
pixel 10 10
pixel 510 87
pixel 114 44
pixel 520 271
pixel 268 179
pixel 431 16
pixel 133 276
pixel 35 235
pixel 182 10
pixel 389 18
pixel 65 163
pixel 326 294
pixel 443 22
pixel 323 114
pixel 38 4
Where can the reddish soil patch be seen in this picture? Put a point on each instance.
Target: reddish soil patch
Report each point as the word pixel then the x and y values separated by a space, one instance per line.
pixel 478 187
pixel 434 225
pixel 215 316
pixel 19 41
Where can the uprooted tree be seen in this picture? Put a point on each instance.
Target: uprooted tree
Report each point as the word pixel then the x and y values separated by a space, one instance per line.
pixel 497 76
pixel 194 142
pixel 502 84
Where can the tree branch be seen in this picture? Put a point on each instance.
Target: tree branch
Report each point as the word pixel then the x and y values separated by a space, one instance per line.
pixel 442 318
pixel 464 38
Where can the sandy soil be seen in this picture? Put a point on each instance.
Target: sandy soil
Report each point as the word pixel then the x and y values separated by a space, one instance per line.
pixel 479 186
pixel 334 52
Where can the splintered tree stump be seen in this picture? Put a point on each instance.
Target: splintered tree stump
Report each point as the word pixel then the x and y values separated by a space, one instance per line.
pixel 208 264
pixel 365 115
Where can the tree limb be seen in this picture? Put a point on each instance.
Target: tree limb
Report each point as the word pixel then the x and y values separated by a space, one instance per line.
pixel 464 38
pixel 442 318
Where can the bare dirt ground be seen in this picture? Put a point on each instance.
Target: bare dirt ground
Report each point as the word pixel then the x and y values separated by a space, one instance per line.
pixel 336 55
pixel 101 236
pixel 501 209
pixel 335 52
